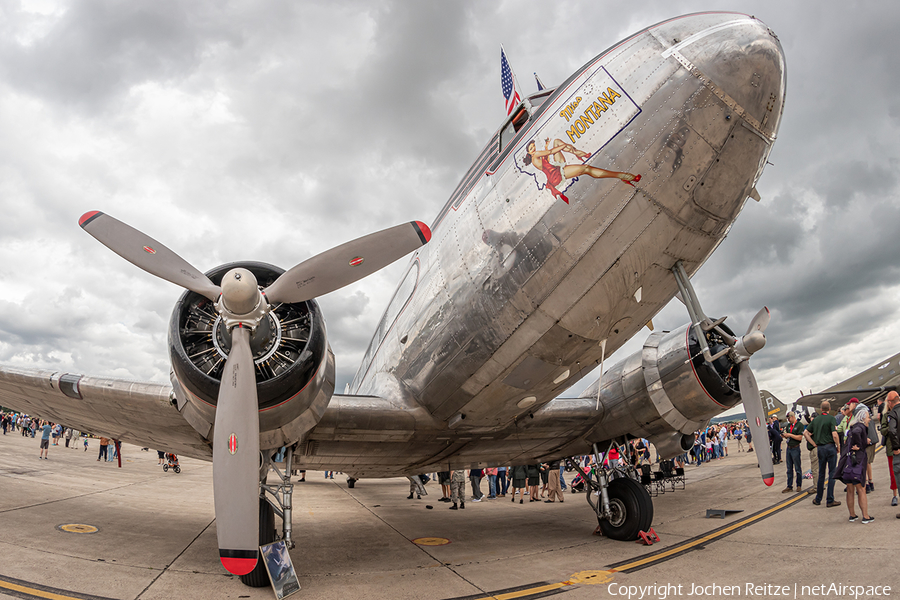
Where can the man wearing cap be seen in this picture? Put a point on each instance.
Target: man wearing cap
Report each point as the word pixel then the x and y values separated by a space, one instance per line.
pixel 822 435
pixel 793 431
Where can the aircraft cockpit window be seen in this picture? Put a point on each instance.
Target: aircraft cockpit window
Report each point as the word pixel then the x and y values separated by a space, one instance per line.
pixel 520 117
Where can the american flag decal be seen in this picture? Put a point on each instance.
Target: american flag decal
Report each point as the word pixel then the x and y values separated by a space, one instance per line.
pixel 232 443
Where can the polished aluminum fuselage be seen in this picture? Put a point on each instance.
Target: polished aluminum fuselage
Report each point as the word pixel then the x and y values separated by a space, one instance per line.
pixel 481 335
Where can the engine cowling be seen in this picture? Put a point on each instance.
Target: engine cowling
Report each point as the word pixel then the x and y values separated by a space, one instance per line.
pixel 293 361
pixel 666 391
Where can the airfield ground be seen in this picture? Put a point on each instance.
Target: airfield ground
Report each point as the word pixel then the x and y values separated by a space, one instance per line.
pixel 156 538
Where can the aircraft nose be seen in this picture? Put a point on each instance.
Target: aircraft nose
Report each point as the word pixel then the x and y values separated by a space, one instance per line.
pixel 738 57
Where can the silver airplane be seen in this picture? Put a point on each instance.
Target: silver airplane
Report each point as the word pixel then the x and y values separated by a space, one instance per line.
pixel 582 217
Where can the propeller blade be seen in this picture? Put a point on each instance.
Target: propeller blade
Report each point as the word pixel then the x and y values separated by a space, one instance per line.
pixel 756 419
pixel 143 251
pixel 760 321
pixel 236 459
pixel 347 263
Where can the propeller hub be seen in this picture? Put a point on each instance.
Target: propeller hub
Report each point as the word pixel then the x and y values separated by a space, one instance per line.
pixel 241 302
pixel 240 291
pixel 751 343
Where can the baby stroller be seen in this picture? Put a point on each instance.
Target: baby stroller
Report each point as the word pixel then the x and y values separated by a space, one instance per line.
pixel 171 463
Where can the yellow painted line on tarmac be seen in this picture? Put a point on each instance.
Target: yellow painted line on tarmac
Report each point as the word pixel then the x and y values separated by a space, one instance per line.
pixel 710 537
pixel 34 592
pixel 604 576
pixel 530 591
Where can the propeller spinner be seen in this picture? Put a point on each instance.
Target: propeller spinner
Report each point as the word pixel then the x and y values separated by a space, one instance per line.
pixel 242 306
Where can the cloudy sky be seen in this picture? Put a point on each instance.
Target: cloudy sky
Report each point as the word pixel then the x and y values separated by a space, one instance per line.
pixel 273 131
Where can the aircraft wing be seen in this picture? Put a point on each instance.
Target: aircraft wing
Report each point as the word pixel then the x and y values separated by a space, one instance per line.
pixel 138 413
pixel 869 385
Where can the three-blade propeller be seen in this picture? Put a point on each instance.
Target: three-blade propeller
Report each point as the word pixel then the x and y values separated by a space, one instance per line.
pixel 742 349
pixel 242 306
pixel 739 352
pixel 751 342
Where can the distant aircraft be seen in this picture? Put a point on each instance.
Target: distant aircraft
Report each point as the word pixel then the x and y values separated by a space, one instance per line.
pixel 583 216
pixel 869 386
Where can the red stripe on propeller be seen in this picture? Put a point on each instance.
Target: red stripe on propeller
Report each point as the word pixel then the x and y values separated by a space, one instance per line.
pixel 88 216
pixel 424 231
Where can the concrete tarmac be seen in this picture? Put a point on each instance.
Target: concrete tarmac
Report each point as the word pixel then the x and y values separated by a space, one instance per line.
pixel 156 537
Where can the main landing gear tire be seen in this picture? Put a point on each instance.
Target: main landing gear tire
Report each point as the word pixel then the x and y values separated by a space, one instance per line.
pixel 632 510
pixel 351 482
pixel 259 577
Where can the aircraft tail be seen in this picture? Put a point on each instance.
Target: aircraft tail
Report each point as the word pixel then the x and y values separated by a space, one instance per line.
pixel 772 406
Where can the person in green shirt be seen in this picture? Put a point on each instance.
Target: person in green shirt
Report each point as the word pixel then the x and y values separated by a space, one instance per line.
pixel 822 434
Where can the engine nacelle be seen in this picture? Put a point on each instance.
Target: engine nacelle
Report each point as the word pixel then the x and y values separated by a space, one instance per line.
pixel 294 363
pixel 665 392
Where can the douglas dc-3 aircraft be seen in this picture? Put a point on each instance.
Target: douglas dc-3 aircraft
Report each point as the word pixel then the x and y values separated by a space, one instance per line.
pixel 583 216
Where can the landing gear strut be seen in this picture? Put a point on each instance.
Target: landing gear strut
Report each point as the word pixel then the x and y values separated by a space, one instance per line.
pixel 281 504
pixel 281 494
pixel 622 505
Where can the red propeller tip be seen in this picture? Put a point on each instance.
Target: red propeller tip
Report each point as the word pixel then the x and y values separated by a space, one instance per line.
pixel 769 480
pixel 423 231
pixel 88 217
pixel 238 566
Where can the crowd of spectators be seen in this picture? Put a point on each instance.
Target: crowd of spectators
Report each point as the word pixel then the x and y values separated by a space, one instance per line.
pixel 54 433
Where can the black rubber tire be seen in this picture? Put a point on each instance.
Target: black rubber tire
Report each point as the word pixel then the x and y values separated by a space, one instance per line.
pixel 632 510
pixel 177 469
pixel 351 482
pixel 259 577
pixel 165 468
